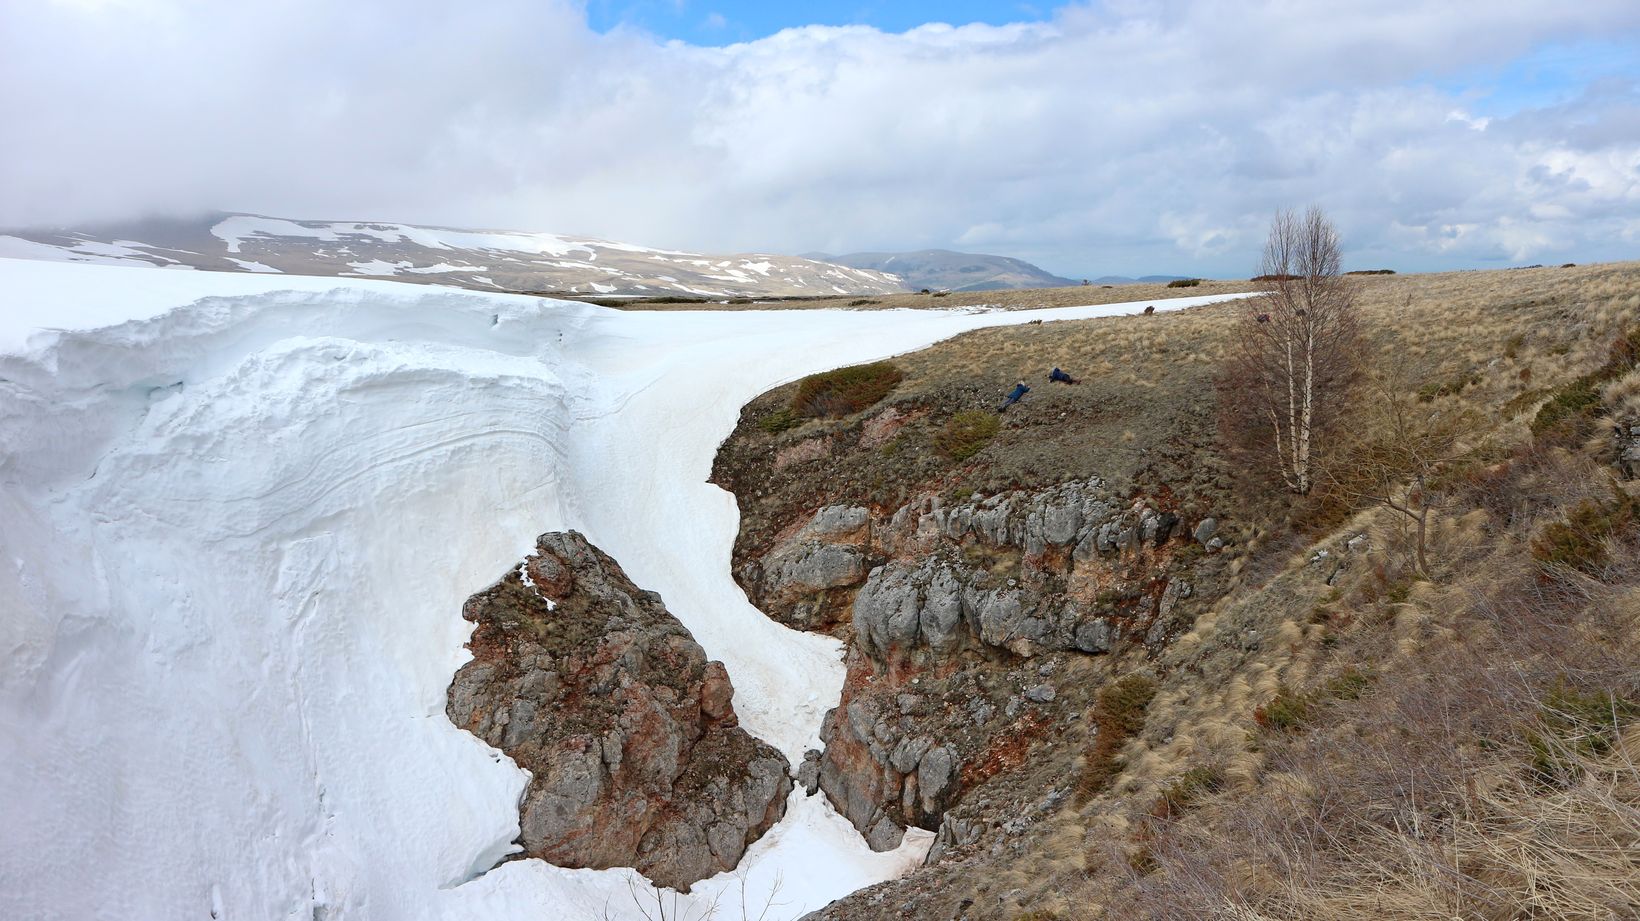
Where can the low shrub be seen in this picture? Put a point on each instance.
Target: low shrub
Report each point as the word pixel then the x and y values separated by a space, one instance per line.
pixel 1569 416
pixel 1118 715
pixel 1579 542
pixel 1286 712
pixel 1572 726
pixel 1570 412
pixel 1184 282
pixel 845 391
pixel 1187 790
pixel 779 421
pixel 1450 387
pixel 1371 272
pixel 1349 684
pixel 968 432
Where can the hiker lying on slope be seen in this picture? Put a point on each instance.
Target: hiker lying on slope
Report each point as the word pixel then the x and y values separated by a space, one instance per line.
pixel 1013 396
pixel 1061 377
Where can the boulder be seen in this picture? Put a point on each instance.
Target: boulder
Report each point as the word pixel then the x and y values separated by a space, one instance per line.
pixel 635 754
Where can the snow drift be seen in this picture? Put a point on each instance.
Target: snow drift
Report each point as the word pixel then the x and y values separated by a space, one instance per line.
pixel 238 517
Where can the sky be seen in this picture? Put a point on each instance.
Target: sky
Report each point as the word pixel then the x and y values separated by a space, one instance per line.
pixel 1119 137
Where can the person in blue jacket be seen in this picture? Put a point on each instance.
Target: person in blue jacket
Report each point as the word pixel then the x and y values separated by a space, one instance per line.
pixel 1061 377
pixel 1013 396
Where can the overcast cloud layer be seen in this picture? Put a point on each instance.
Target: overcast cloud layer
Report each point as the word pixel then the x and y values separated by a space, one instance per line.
pixel 1129 136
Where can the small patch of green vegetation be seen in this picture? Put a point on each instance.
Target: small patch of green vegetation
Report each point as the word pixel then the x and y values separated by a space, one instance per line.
pixel 1349 684
pixel 1579 542
pixel 969 432
pixel 1286 712
pixel 1519 402
pixel 1184 283
pixel 779 421
pixel 846 390
pixel 896 445
pixel 1576 724
pixel 1449 387
pixel 1190 788
pixel 1397 591
pixel 1571 409
pixel 1371 272
pixel 1118 714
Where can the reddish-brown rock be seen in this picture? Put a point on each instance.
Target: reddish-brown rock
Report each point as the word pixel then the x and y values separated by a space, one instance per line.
pixel 629 733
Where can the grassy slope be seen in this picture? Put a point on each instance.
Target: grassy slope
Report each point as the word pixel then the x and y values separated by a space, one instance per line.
pixel 1326 742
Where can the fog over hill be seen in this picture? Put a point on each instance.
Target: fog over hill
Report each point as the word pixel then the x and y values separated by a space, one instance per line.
pixel 484 259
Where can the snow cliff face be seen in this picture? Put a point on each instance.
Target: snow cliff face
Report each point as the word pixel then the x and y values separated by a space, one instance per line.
pixel 238 518
pixel 484 260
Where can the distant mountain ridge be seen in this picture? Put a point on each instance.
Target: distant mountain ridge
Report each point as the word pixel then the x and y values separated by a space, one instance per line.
pixel 1141 280
pixel 945 270
pixel 489 260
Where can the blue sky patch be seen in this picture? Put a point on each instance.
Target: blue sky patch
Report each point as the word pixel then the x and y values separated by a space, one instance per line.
pixel 723 22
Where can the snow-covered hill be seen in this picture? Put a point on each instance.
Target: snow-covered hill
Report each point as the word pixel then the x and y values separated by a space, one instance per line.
pixel 238 518
pixel 944 270
pixel 485 260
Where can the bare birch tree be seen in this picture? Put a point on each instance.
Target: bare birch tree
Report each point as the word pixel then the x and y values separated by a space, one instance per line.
pixel 1297 344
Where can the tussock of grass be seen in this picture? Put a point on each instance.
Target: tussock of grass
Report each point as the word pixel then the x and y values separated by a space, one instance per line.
pixel 968 432
pixel 1580 540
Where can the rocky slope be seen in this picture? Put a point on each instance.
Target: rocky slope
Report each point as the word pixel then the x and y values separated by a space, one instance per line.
pixel 629 733
pixel 482 259
pixel 979 620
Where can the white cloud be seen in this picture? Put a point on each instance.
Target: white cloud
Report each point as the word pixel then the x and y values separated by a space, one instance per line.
pixel 1125 136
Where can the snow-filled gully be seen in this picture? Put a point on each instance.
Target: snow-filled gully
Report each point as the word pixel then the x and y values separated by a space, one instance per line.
pixel 238 517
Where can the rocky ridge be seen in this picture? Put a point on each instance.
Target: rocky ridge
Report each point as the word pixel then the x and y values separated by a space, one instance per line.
pixel 628 731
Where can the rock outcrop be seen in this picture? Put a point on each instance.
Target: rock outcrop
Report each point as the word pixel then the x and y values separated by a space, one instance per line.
pixel 946 605
pixel 629 733
pixel 1064 568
